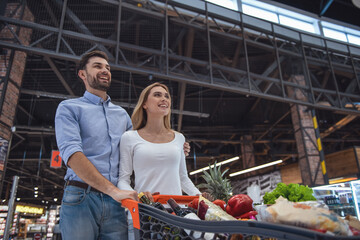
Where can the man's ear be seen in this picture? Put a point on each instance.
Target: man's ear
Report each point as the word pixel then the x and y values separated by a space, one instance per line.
pixel 82 75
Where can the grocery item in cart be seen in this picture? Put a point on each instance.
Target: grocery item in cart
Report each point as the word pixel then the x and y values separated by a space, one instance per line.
pixel 239 205
pixel 211 212
pixel 297 214
pixel 189 215
pixel 293 192
pixel 144 199
pixel 172 227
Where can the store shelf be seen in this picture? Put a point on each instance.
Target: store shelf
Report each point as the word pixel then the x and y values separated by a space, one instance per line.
pixel 342 198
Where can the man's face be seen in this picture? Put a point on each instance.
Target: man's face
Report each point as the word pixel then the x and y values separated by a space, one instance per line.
pixel 97 74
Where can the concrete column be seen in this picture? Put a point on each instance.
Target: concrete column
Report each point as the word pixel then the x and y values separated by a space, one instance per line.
pixel 309 156
pixel 12 65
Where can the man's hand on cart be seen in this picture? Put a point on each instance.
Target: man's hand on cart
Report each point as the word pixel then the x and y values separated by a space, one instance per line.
pixel 186 148
pixel 119 195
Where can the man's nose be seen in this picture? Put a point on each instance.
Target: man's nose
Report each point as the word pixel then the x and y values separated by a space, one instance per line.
pixel 105 71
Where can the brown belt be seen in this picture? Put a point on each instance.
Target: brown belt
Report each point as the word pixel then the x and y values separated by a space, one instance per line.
pixel 80 185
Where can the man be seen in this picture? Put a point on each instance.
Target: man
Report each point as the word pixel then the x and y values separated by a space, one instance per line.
pixel 88 131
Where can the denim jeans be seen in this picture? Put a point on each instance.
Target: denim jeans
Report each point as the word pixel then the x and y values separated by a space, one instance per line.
pixel 90 215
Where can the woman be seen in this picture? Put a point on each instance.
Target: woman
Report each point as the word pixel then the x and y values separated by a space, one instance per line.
pixel 153 150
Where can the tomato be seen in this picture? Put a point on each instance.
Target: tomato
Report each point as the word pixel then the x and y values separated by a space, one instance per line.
pixel 194 203
pixel 220 203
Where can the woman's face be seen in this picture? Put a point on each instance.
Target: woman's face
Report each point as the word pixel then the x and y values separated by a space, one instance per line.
pixel 158 102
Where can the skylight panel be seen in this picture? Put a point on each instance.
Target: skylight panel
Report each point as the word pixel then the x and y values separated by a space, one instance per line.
pixel 295 23
pixel 260 13
pixel 226 3
pixel 354 39
pixel 331 33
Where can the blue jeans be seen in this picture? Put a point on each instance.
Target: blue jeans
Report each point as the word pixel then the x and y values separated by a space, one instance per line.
pixel 91 215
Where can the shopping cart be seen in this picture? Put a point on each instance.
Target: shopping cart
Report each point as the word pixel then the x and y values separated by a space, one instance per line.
pixel 152 223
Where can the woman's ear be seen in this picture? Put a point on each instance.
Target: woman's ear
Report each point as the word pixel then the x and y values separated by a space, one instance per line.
pixel 144 107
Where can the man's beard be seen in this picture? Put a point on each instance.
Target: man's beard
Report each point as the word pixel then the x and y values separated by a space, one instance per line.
pixel 98 85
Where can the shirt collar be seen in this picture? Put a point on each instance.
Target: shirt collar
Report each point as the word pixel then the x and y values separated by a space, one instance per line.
pixel 95 99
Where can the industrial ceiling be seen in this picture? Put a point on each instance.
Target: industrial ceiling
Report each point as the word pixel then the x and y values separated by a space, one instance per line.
pixel 221 89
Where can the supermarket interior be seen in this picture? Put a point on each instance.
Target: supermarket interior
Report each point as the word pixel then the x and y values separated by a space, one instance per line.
pixel 267 89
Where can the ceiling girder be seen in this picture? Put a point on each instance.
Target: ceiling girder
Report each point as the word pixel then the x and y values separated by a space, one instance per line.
pixel 222 84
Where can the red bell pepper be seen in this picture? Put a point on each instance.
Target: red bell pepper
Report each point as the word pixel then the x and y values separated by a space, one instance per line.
pixel 220 203
pixel 239 204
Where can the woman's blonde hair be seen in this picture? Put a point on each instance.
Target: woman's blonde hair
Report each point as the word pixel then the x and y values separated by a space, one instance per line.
pixel 139 117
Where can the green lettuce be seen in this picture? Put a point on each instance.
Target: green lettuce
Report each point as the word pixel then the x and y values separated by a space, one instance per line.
pixel 292 192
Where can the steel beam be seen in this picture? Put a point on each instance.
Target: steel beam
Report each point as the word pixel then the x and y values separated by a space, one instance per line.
pixel 201 80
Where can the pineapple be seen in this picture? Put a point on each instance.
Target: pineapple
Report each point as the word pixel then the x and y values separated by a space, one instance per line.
pixel 218 186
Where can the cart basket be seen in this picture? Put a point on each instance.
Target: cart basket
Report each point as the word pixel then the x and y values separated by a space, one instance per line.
pixel 152 223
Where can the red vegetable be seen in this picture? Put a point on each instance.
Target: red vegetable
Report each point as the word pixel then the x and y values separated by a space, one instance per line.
pixel 239 204
pixel 220 203
pixel 248 214
pixel 194 203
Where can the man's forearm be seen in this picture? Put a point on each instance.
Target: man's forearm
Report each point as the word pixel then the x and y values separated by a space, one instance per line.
pixel 89 174
pixel 85 170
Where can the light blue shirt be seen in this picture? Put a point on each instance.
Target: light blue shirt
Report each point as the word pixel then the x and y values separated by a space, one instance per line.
pixel 94 127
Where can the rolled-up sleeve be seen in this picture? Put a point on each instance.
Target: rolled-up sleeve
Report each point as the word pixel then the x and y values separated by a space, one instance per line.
pixel 67 132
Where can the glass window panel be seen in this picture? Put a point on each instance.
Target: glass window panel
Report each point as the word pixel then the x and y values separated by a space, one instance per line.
pixel 352 31
pixel 332 25
pixel 354 39
pixel 260 13
pixel 259 4
pixel 334 34
pixel 295 23
pixel 232 4
pixel 295 15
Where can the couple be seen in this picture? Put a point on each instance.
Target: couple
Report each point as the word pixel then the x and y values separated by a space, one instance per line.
pixel 93 135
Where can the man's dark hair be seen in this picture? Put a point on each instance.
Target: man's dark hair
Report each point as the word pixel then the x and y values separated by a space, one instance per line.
pixel 85 58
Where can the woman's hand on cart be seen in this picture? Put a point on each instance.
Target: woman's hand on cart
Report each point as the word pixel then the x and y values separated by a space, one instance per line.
pixel 207 195
pixel 149 195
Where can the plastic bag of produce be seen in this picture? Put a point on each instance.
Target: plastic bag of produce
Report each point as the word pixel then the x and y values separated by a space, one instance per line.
pixel 302 215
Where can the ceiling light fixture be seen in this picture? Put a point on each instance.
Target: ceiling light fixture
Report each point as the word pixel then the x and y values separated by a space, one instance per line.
pixel 255 168
pixel 341 180
pixel 329 187
pixel 218 164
